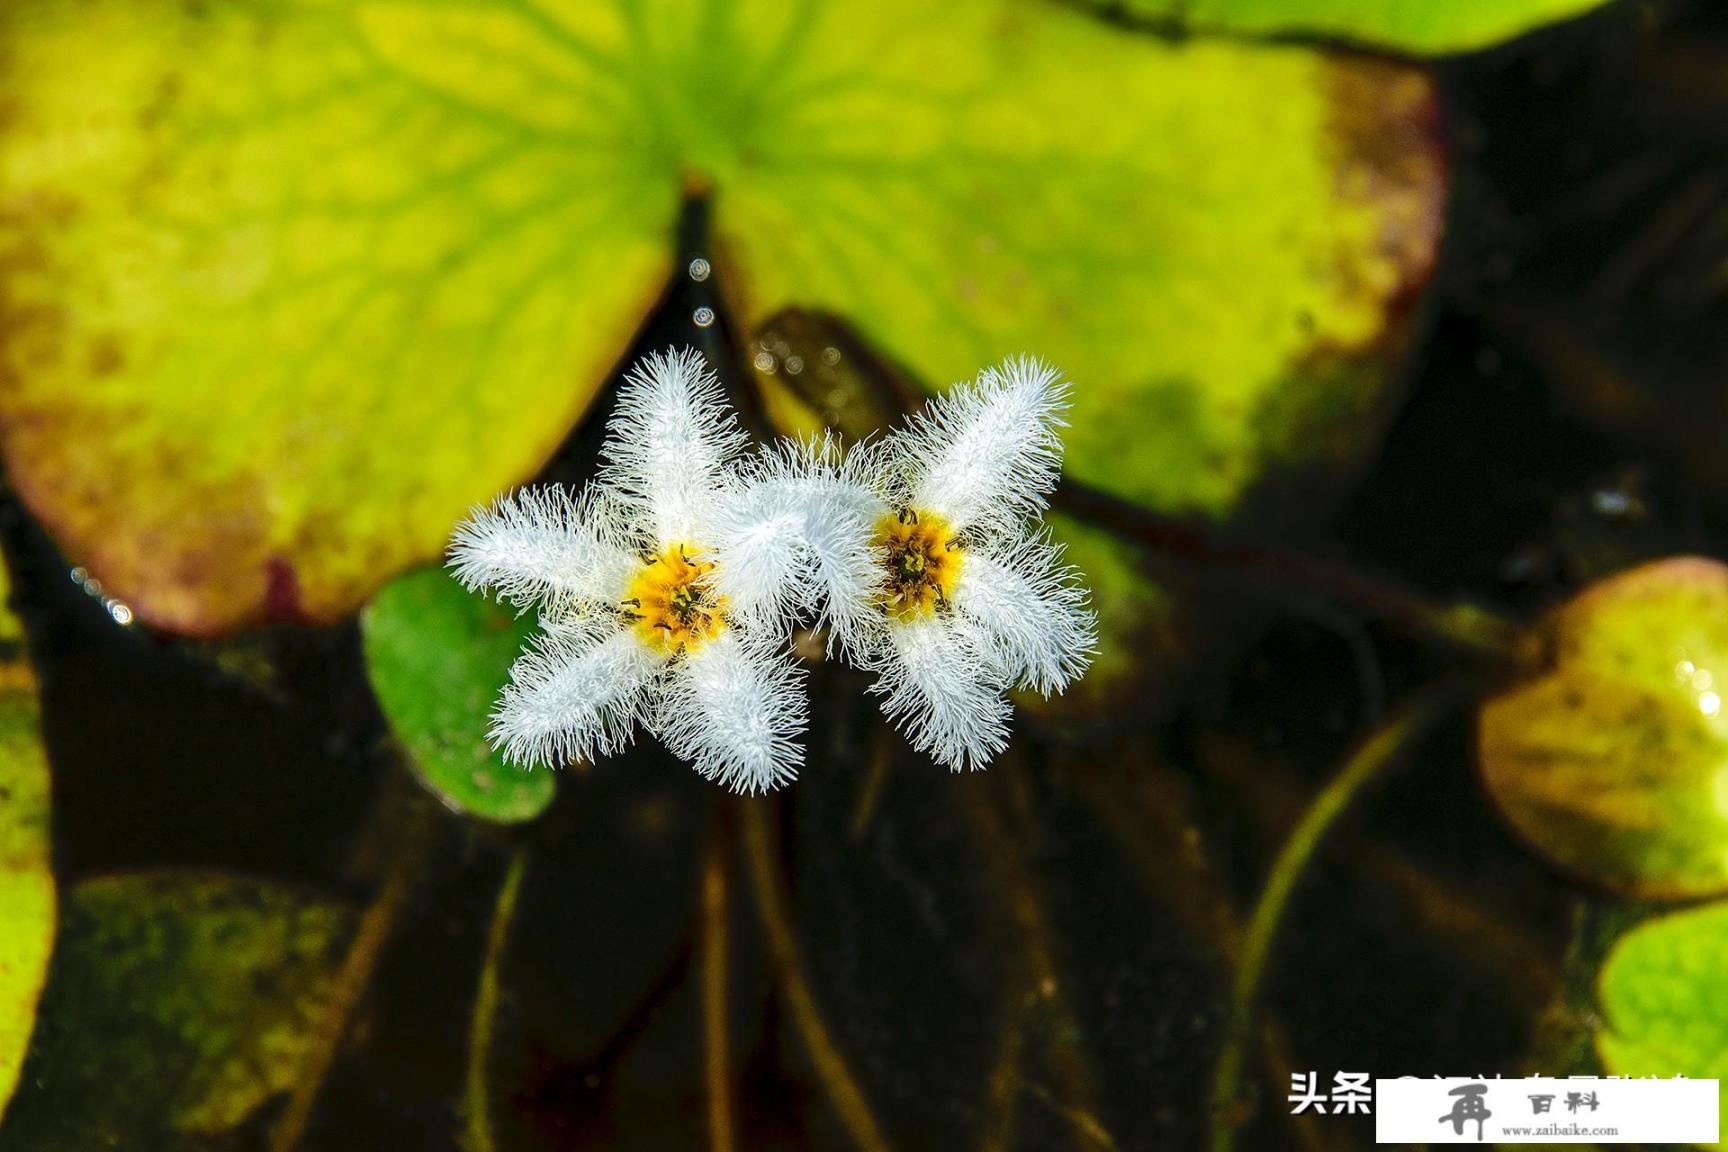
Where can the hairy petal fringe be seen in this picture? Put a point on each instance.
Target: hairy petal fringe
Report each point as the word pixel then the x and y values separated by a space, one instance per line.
pixel 796 542
pixel 944 693
pixel 539 546
pixel 734 709
pixel 671 445
pixel 1028 610
pixel 573 699
pixel 986 454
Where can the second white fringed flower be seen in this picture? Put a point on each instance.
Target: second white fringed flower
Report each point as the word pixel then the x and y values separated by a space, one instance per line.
pixel 966 596
pixel 647 620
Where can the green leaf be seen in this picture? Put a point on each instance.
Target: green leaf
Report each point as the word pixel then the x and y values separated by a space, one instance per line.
pixel 1664 1003
pixel 288 287
pixel 1415 26
pixel 27 897
pixel 284 289
pixel 180 1003
pixel 1613 759
pixel 438 657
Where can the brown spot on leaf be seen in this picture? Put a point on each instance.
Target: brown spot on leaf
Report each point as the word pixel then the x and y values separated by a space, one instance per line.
pixel 1390 158
pixel 162 102
pixel 282 602
pixel 106 357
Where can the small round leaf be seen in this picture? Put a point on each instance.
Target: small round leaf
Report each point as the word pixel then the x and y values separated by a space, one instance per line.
pixel 1664 1004
pixel 1613 760
pixel 438 657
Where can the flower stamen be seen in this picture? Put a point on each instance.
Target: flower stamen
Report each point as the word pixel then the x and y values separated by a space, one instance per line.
pixel 677 608
pixel 922 555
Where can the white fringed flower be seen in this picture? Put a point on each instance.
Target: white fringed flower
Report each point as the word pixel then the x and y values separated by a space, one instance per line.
pixel 648 619
pixel 968 596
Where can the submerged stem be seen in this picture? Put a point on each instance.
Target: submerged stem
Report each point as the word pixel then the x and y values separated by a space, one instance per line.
pixel 1380 750
pixel 407 852
pixel 716 914
pixel 771 905
pixel 1461 625
pixel 476 1103
pixel 1003 849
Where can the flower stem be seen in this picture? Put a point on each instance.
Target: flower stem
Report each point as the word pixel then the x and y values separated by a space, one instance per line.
pixel 1005 849
pixel 716 915
pixel 771 905
pixel 1382 748
pixel 410 840
pixel 477 1108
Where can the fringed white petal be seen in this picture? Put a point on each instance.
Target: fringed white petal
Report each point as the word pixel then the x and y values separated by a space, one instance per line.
pixel 572 699
pixel 944 693
pixel 542 545
pixel 796 540
pixel 1028 610
pixel 735 708
pixel 670 445
pixel 757 539
pixel 986 454
pixel 840 525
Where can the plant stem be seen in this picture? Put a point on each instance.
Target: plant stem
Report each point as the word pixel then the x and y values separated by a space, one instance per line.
pixel 1004 850
pixel 477 1107
pixel 771 905
pixel 1381 749
pixel 410 842
pixel 716 914
pixel 1461 625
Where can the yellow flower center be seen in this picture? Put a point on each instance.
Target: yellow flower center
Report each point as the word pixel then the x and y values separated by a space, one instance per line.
pixel 923 557
pixel 672 603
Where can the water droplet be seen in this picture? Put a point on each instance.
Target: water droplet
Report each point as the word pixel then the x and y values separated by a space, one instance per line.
pixel 93 586
pixel 122 613
pixel 830 356
pixel 1709 703
pixel 79 575
pixel 764 363
pixel 699 269
pixel 794 365
pixel 703 317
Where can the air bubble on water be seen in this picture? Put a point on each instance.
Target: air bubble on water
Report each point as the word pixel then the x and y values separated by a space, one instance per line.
pixel 764 362
pixel 699 269
pixel 794 365
pixel 830 356
pixel 703 317
pixel 118 609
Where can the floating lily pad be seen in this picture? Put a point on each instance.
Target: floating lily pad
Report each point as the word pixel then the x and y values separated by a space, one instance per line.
pixel 180 1003
pixel 438 657
pixel 27 899
pixel 285 289
pixel 1613 760
pixel 1404 25
pixel 1664 1004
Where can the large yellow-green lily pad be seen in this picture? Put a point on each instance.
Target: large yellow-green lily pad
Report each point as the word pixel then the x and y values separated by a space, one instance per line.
pixel 286 287
pixel 27 897
pixel 180 1004
pixel 1422 27
pixel 1664 1001
pixel 1612 760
